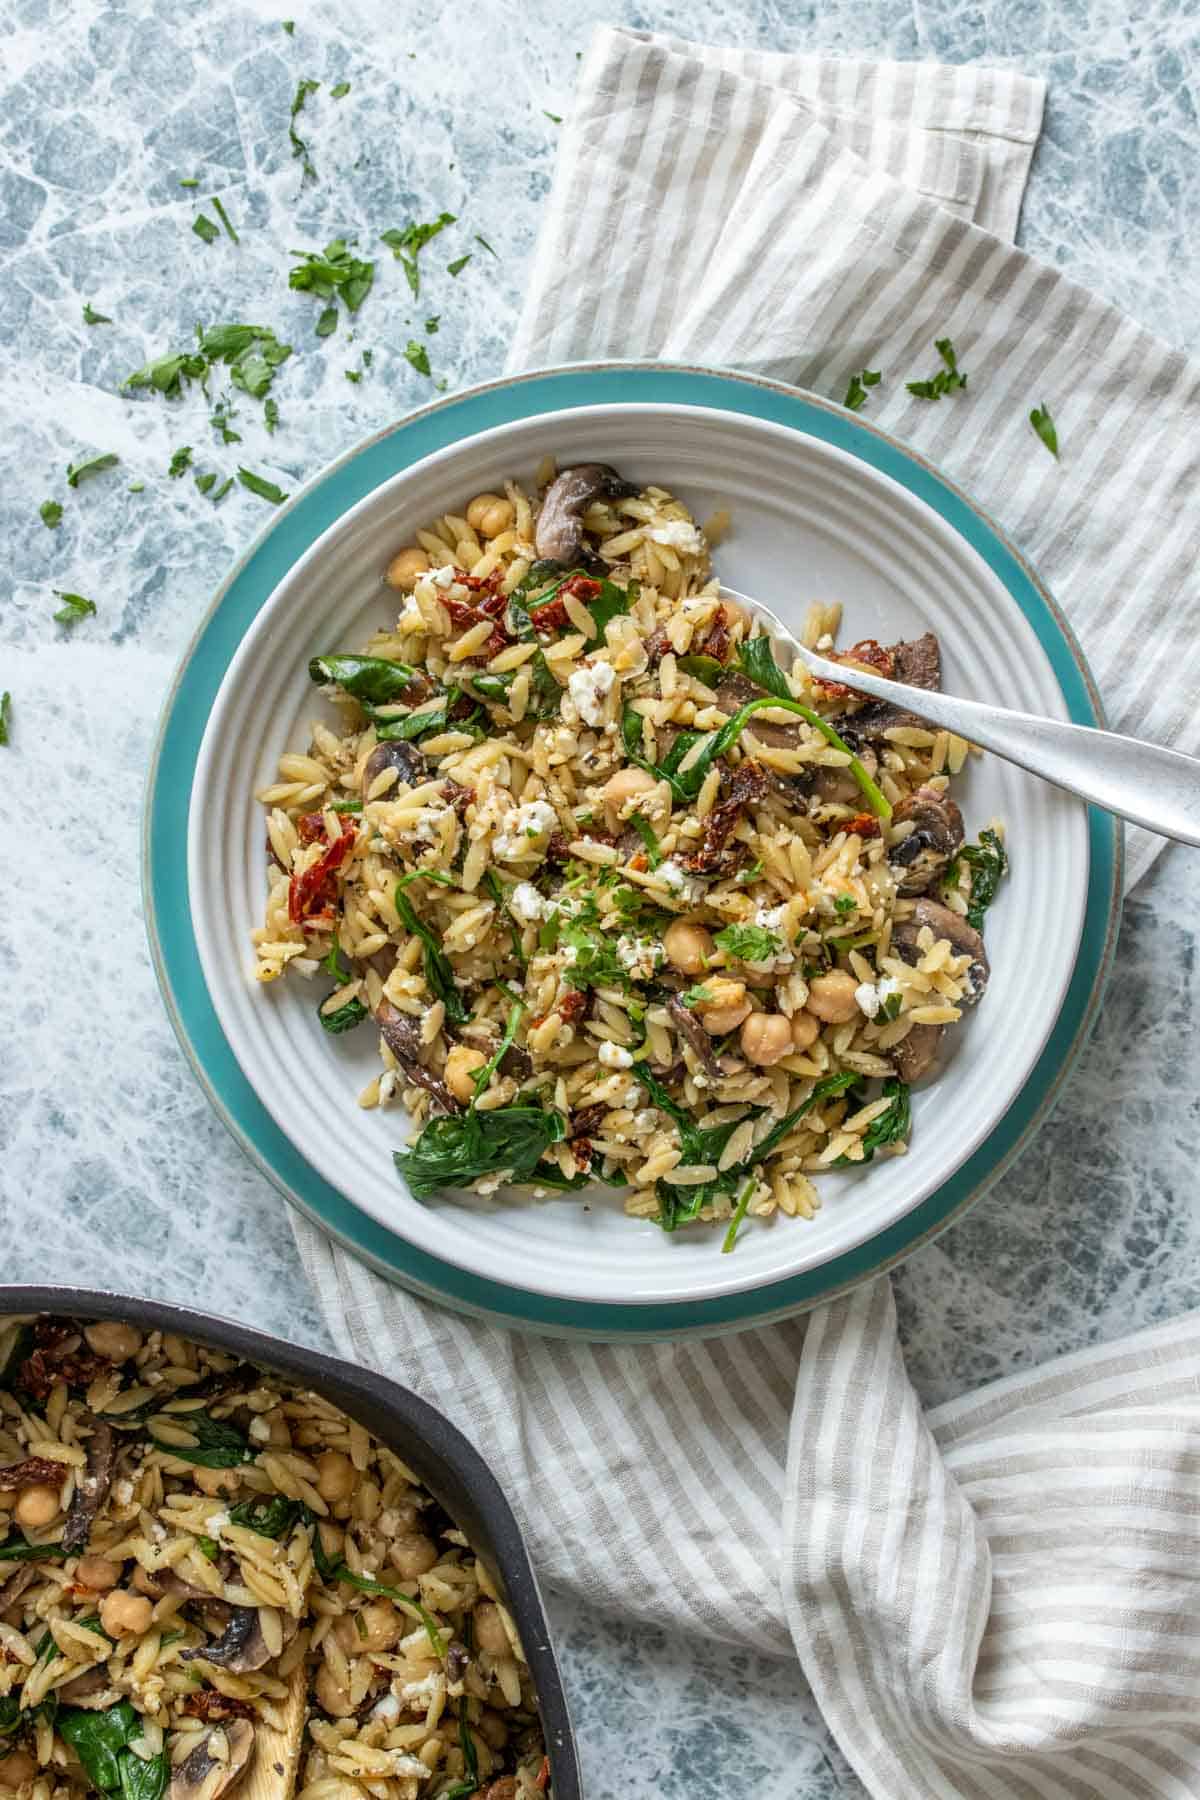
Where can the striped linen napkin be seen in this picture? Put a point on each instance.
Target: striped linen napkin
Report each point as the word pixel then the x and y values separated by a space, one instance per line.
pixel 1002 1598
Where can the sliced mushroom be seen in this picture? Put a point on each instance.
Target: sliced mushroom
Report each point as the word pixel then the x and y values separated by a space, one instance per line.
pixel 917 663
pixel 943 923
pixel 914 1054
pixel 936 837
pixel 838 787
pixel 559 534
pixel 241 1648
pixel 412 765
pixel 86 1689
pixel 690 1029
pixel 91 1490
pixel 214 1775
pixel 402 1035
pixel 733 691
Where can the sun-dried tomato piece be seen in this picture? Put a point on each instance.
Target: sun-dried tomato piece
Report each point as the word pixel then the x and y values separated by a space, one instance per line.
pixel 716 643
pixel 213 1707
pixel 551 616
pixel 865 824
pixel 57 1357
pixel 310 828
pixel 35 1471
pixel 871 654
pixel 582 587
pixel 749 781
pixel 571 1005
pixel 314 889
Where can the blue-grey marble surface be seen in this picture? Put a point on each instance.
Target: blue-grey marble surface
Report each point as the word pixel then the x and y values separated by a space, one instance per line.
pixel 112 1168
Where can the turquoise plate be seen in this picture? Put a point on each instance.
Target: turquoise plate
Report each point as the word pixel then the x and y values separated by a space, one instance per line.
pixel 291 531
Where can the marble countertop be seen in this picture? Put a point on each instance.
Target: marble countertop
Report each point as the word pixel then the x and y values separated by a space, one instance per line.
pixel 112 1167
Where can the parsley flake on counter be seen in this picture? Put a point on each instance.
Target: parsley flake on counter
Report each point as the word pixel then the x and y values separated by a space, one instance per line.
pixel 486 245
pixel 93 466
pixel 74 607
pixel 330 272
pixel 856 392
pixel 418 356
pixel 180 461
pixel 270 415
pixel 258 484
pixel 92 317
pixel 554 118
pixel 221 415
pixel 304 88
pixel 406 245
pixel 354 375
pixel 204 228
pixel 432 324
pixel 137 487
pixel 252 353
pixel 5 710
pixel 206 483
pixel 188 181
pixel 51 511
pixel 222 490
pixel 458 265
pixel 289 25
pixel 215 203
pixel 947 379
pixel 1044 425
pixel 340 91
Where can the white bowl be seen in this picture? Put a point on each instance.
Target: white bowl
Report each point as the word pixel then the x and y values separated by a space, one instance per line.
pixel 809 522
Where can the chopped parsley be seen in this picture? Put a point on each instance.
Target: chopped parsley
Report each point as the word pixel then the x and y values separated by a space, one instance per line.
pixel 856 392
pixel 270 415
pixel 947 379
pixel 432 323
pixel 844 905
pixel 418 356
pixel 206 483
pixel 554 118
pixel 137 487
pixel 204 228
pixel 331 272
pixel 93 466
pixel 51 512
pixel 222 490
pixel 299 148
pixel 458 265
pixel 5 711
pixel 697 996
pixel 486 245
pixel 181 460
pixel 289 25
pixel 354 375
pixel 258 484
pixel 217 207
pixel 221 415
pixel 252 353
pixel 1043 424
pixel 92 317
pixel 74 608
pixel 340 91
pixel 406 245
pixel 188 181
pixel 749 943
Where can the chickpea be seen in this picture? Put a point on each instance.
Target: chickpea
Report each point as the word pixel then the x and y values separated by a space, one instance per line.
pixel 122 1614
pixel 114 1340
pixel 335 1476
pixel 36 1506
pixel 332 1698
pixel 413 1555
pixel 766 1037
pixel 624 786
pixel 492 1729
pixel 97 1573
pixel 490 1634
pixel 489 515
pixel 17 1768
pixel 405 566
pixel 375 1627
pixel 805 1030
pixel 831 997
pixel 457 1072
pixel 726 1006
pixel 689 948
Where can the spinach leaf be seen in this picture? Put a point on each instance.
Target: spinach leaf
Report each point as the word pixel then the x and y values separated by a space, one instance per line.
pixel 631 738
pixel 610 603
pixel 649 837
pixel 495 888
pixel 405 1602
pixel 491 687
pixel 438 973
pixel 544 691
pixel 988 862
pixel 433 719
pixel 373 679
pixel 10 1714
pixel 757 660
pixel 99 1739
pixel 344 1018
pixel 16 1549
pixel 453 1152
pixel 144 1778
pixel 705 668
pixel 270 1515
pixel 891 1127
pixel 481 1077
pixel 219 1445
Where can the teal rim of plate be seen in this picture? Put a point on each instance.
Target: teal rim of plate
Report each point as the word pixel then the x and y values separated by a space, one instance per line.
pixel 319 504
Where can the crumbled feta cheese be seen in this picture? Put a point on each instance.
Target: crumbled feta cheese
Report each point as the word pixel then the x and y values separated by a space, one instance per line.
pixel 678 534
pixel 387 1709
pixel 888 986
pixel 770 917
pixel 523 828
pixel 425 1689
pixel 613 1057
pixel 587 688
pixel 442 578
pixel 260 1431
pixel 411 619
pixel 867 996
pixel 641 956
pixel 675 877
pixel 527 903
pixel 220 1519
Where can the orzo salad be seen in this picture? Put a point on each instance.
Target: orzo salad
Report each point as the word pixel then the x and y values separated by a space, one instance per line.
pixel 189 1546
pixel 625 899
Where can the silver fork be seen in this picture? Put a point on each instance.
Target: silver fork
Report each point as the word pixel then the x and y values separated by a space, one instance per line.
pixel 1157 788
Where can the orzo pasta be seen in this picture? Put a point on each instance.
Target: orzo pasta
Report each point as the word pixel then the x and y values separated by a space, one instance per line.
pixel 184 1538
pixel 624 899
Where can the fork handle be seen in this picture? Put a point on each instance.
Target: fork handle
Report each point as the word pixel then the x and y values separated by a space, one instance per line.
pixel 1157 788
